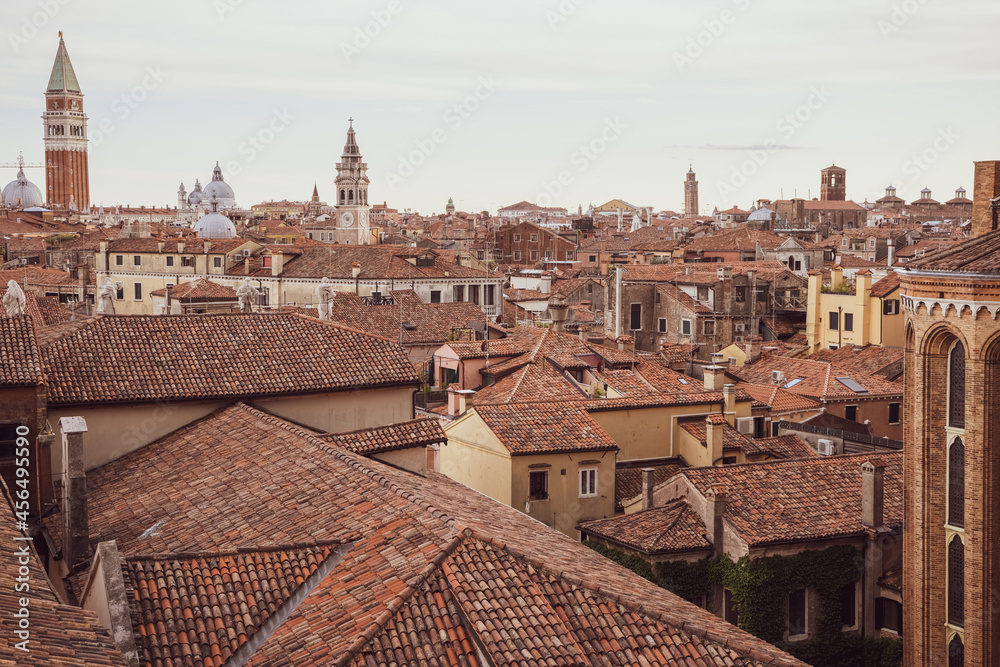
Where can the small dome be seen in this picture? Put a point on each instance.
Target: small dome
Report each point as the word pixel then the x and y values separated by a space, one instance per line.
pixel 215 226
pixel 925 191
pixel 22 193
pixel 220 189
pixel 196 195
pixel 763 213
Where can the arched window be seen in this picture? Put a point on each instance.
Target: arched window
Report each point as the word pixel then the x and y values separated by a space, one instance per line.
pixel 956 652
pixel 956 483
pixel 956 582
pixel 350 195
pixel 956 386
pixel 343 196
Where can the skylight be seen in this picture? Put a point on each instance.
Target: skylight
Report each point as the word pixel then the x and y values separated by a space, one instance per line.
pixel 793 383
pixel 852 385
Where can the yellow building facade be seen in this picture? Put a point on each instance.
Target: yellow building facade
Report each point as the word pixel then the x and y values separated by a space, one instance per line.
pixel 864 314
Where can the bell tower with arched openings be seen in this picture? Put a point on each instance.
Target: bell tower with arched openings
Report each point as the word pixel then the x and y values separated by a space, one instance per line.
pixel 951 498
pixel 352 223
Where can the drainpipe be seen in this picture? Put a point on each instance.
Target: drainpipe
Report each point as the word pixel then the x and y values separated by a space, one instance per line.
pixel 618 302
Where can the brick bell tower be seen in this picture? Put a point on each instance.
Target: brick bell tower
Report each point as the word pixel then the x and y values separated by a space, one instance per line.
pixel 833 184
pixel 951 497
pixel 67 177
pixel 690 194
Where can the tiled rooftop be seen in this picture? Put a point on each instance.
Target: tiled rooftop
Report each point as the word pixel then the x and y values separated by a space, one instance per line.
pixel 20 362
pixel 818 379
pixel 780 400
pixel 60 634
pixel 975 255
pixel 628 476
pixel 407 319
pixel 137 358
pixel 533 428
pixel 672 527
pixel 202 289
pixel 800 499
pixel 368 442
pixel 434 569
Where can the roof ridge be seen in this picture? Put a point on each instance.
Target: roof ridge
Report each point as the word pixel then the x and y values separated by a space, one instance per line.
pixel 396 603
pixel 681 622
pixel 353 536
pixel 381 428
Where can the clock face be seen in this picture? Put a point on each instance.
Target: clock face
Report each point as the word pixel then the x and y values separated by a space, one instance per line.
pixel 347 219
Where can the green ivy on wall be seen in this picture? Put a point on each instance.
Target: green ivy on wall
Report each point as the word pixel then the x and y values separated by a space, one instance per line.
pixel 760 588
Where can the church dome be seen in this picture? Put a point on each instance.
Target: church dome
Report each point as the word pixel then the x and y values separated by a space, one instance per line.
pixel 196 195
pixel 214 225
pixel 762 214
pixel 218 187
pixel 22 193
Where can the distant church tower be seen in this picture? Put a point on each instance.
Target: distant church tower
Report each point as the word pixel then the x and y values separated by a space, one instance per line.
pixel 67 178
pixel 315 205
pixel 951 498
pixel 833 184
pixel 690 195
pixel 352 194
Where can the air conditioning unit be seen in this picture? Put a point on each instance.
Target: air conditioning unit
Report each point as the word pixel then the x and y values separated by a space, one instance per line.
pixel 738 339
pixel 744 425
pixel 740 327
pixel 246 252
pixel 778 377
pixel 825 447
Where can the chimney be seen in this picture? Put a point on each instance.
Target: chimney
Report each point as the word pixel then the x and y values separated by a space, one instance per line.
pixel 82 273
pixel 75 528
pixel 545 287
pixel 715 512
pixel 558 308
pixel 715 376
pixel 355 270
pixel 863 286
pixel 985 188
pixel 647 488
pixel 872 498
pixel 715 428
pixel 207 246
pixel 836 276
pixel 892 251
pixel 180 246
pixel 277 264
pixel 159 247
pixel 166 306
pixel 729 401
pixel 456 399
pixel 101 264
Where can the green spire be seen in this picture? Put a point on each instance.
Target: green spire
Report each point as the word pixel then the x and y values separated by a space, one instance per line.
pixel 63 77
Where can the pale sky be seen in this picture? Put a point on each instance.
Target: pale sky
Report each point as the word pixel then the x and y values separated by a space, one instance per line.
pixel 567 102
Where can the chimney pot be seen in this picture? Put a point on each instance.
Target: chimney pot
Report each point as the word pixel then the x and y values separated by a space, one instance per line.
pixel 76 525
pixel 872 493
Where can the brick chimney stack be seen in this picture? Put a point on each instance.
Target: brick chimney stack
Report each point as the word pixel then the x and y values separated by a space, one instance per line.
pixel 75 517
pixel 729 400
pixel 647 488
pixel 715 377
pixel 715 427
pixel 872 497
pixel 715 511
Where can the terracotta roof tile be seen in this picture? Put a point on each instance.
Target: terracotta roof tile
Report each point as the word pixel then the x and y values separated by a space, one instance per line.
pixel 20 361
pixel 202 289
pixel 628 476
pixel 819 380
pixel 60 634
pixel 672 527
pixel 800 499
pixel 434 571
pixel 137 358
pixel 368 442
pixel 532 428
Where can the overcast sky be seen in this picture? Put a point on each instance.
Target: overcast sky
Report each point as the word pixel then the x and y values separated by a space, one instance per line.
pixel 570 102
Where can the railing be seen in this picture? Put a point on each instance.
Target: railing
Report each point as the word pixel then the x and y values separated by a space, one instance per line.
pixel 844 435
pixel 384 300
pixel 430 399
pixel 789 303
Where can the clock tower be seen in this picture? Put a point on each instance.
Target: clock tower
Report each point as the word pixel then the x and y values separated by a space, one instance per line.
pixel 352 194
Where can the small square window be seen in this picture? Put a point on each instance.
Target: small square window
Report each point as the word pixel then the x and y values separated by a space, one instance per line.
pixel 119 260
pixel 797 614
pixel 569 255
pixel 137 260
pixel 662 328
pixel 834 320
pixel 533 255
pixel 137 291
pixel 593 258
pixel 534 238
pixel 702 294
pixel 851 412
pixel 517 255
pixel 435 296
pixel 635 317
pixel 588 482
pixel 685 327
pixel 848 321
pixel 170 260
pixel 741 293
pixel 895 413
pixel 890 307
pixel 709 327
pixel 217 262
pixel 517 238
